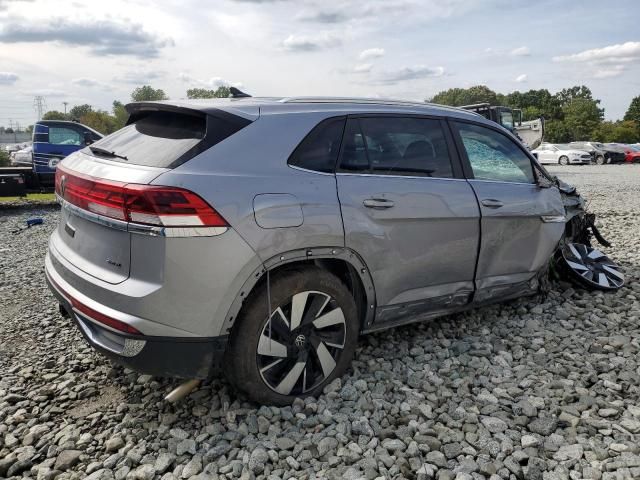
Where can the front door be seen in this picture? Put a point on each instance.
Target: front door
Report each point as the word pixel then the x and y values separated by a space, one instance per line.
pixel 522 222
pixel 407 210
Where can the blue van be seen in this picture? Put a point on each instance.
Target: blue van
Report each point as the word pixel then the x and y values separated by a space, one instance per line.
pixel 55 139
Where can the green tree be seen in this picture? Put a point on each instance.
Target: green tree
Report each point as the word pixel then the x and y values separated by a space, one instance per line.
pixel 535 104
pixel 581 117
pixel 633 113
pixel 120 114
pixel 555 131
pixel 147 93
pixel 79 111
pixel 567 95
pixel 99 120
pixel 29 129
pixel 457 97
pixel 54 115
pixel 220 92
pixel 4 158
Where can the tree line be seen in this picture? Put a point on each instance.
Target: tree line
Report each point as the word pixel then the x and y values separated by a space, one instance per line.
pixel 572 114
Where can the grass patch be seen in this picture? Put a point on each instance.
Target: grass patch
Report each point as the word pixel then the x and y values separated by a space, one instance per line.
pixel 31 197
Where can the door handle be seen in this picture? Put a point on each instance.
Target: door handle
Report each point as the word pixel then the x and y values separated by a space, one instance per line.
pixel 377 203
pixel 492 203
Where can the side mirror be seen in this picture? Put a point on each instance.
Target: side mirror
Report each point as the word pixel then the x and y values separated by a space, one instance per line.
pixel 87 138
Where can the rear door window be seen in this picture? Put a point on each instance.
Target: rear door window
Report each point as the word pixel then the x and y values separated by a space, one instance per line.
pixel 319 150
pixel 396 146
pixel 167 139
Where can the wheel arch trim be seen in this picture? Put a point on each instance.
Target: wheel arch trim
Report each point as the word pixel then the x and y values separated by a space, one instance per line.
pixel 306 254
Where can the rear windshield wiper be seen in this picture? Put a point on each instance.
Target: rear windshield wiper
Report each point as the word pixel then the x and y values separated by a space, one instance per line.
pixel 106 153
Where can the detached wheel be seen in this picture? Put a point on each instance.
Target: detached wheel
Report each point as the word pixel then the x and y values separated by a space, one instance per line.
pixel 591 268
pixel 563 160
pixel 308 340
pixel 600 160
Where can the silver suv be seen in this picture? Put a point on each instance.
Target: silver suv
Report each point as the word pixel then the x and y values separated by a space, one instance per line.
pixel 261 237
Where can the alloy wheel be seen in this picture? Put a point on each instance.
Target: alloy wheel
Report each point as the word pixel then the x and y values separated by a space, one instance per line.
pixel 301 343
pixel 591 267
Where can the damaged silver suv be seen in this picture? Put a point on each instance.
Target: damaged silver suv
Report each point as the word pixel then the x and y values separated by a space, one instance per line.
pixel 261 237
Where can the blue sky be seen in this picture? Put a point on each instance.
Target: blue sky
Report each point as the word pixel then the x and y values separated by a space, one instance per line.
pixel 87 51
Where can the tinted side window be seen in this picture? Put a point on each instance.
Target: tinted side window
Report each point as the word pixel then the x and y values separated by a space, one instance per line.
pixel 399 146
pixel 494 156
pixel 64 136
pixel 354 156
pixel 319 150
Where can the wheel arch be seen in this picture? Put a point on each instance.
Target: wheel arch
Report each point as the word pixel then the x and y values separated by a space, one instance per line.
pixel 342 262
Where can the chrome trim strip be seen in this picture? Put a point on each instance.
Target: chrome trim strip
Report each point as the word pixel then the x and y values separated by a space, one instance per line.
pixel 553 218
pixel 502 181
pixel 140 229
pixel 309 171
pixel 380 175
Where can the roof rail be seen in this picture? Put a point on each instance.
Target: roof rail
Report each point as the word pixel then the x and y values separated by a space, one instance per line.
pixel 369 101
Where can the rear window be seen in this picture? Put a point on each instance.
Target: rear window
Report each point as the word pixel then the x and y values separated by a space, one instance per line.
pixel 167 139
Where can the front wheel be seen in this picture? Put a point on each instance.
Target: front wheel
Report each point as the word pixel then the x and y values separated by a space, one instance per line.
pixel 600 160
pixel 307 339
pixel 563 160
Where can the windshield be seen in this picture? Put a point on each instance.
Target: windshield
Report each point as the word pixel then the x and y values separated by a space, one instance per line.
pixel 599 145
pixel 506 119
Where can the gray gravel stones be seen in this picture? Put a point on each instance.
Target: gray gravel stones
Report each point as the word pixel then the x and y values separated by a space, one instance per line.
pixel 542 388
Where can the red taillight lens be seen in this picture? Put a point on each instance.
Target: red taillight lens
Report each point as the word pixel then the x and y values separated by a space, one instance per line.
pixel 147 204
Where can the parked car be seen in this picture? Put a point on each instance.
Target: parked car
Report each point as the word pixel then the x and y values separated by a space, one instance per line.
pixel 562 154
pixel 55 139
pixel 261 237
pixel 22 158
pixel 631 153
pixel 600 152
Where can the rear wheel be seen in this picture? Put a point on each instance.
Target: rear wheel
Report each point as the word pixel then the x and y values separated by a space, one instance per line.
pixel 563 160
pixel 306 341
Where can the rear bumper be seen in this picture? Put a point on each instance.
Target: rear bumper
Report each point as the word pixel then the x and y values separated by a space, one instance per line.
pixel 181 357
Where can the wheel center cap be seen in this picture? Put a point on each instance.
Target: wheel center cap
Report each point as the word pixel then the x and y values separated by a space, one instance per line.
pixel 300 341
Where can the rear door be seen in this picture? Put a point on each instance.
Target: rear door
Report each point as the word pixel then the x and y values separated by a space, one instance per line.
pixel 408 212
pixel 521 221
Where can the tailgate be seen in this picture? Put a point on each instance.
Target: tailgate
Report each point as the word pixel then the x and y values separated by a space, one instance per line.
pixel 99 246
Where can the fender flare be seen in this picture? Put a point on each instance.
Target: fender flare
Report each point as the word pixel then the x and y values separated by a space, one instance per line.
pixel 292 256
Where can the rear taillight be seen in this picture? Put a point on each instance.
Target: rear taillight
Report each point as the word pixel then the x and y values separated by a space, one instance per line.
pixel 144 204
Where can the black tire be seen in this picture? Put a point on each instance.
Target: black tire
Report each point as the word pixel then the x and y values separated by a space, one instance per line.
pixel 563 160
pixel 255 373
pixel 600 160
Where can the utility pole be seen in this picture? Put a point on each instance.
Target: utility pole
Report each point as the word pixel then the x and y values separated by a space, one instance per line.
pixel 65 107
pixel 39 103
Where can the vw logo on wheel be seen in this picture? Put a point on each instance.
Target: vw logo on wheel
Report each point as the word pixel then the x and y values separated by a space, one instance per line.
pixel 300 341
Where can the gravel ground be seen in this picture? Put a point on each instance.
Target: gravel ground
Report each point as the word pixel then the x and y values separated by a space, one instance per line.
pixel 540 388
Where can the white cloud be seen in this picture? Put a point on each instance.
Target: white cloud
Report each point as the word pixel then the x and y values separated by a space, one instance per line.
pixel 521 78
pixel 363 68
pixel 609 72
pixel 408 73
pixel 90 83
pixel 8 78
pixel 140 77
pixel 371 53
pixel 520 52
pixel 309 43
pixel 213 82
pixel 621 52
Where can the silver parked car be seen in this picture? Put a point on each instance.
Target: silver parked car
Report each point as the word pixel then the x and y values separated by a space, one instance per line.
pixel 261 237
